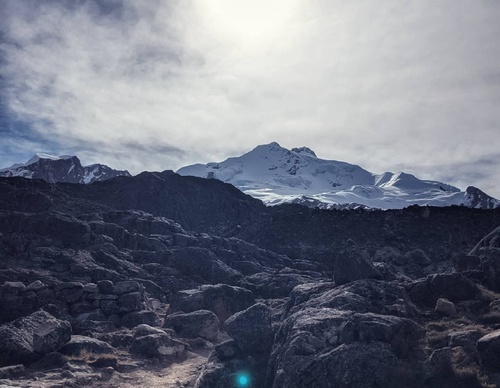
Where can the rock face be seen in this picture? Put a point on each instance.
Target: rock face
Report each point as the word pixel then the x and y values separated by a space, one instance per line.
pixel 251 329
pixel 27 339
pixel 488 351
pixel 201 323
pixel 221 299
pixel 160 346
pixel 92 256
pixel 338 336
pixel 80 344
pixel 445 307
pixel 353 264
pixel 51 336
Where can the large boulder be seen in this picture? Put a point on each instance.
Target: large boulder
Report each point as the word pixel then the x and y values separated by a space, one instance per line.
pixel 80 344
pixel 488 351
pixel 201 323
pixel 202 263
pixel 221 299
pixel 51 336
pixel 251 329
pixel 17 343
pixel 353 264
pixel 361 296
pixel 361 365
pixel 452 286
pixel 160 346
pixel 136 318
pixel 275 285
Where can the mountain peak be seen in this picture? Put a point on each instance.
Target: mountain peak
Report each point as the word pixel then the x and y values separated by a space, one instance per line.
pixel 43 156
pixel 304 151
pixel 64 168
pixel 277 175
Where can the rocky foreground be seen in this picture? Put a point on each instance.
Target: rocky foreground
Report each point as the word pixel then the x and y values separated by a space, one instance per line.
pixel 113 284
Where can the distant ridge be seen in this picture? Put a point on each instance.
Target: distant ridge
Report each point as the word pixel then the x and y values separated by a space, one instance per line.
pixel 65 168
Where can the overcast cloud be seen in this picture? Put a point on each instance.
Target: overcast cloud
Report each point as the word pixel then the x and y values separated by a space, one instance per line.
pixel 154 85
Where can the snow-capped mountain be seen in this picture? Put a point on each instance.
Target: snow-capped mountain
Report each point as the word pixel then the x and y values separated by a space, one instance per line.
pixel 66 168
pixel 277 175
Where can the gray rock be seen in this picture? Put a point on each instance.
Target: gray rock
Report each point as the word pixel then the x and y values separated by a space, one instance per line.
pixel 361 365
pixel 353 264
pixel 132 301
pixel 17 344
pixel 95 315
pixel 51 336
pixel 91 288
pixel 125 287
pixel 102 297
pixel 418 256
pixel 143 329
pixel 221 299
pixel 50 361
pixel 454 287
pixel 201 262
pixel 222 374
pixel 360 296
pixel 13 371
pixel 466 339
pixel 274 286
pixel 160 346
pixel 36 286
pixel 488 351
pixel 105 286
pixel 227 350
pixel 93 326
pixel 201 323
pixel 401 333
pixel 81 344
pixel 445 307
pixel 438 363
pixel 14 287
pixel 109 307
pixel 251 329
pixel 136 318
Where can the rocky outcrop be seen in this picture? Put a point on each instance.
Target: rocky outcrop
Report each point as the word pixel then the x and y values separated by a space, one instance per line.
pixel 160 346
pixel 81 344
pixel 454 287
pixel 488 351
pixel 221 299
pixel 251 329
pixel 201 323
pixel 357 334
pixel 27 339
pixel 353 264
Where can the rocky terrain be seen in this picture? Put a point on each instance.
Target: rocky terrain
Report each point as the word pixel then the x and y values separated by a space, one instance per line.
pixel 161 280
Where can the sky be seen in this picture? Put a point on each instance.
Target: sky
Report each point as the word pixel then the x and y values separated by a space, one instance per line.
pixel 389 85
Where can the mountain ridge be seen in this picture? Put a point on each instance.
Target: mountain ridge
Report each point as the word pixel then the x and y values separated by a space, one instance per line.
pixel 65 168
pixel 277 175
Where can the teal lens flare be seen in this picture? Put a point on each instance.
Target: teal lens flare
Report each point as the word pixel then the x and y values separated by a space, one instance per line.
pixel 242 380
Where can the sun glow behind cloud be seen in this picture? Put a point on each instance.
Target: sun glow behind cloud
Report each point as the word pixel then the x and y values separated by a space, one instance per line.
pixel 160 84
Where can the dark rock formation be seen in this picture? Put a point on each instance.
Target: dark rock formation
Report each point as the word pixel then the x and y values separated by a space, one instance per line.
pixel 27 339
pixel 251 329
pixel 160 346
pixel 353 264
pixel 488 351
pixel 222 299
pixel 80 344
pixel 201 323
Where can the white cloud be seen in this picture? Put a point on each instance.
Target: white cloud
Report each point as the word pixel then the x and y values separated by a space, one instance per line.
pixel 383 84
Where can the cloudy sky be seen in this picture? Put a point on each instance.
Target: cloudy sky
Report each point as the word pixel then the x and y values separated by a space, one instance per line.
pixel 158 84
